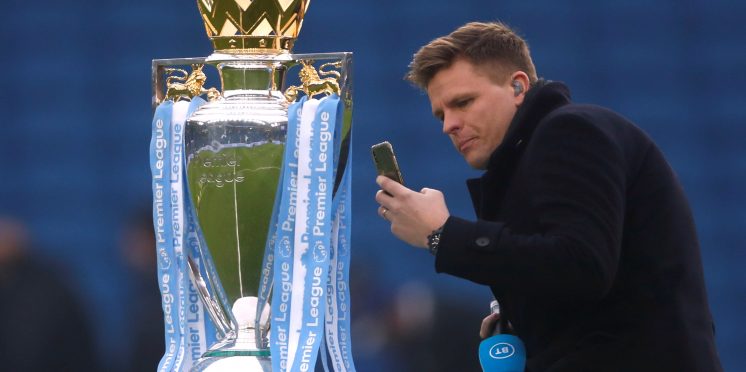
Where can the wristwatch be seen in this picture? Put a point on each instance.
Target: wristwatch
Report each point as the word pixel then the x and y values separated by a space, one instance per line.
pixel 433 240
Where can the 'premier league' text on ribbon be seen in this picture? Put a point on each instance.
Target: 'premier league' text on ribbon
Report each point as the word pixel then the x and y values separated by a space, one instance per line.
pixel 283 244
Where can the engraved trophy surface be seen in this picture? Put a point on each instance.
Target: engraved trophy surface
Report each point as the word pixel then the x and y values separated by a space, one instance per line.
pixel 234 149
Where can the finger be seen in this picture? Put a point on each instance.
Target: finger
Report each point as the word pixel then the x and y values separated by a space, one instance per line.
pixel 384 199
pixel 385 214
pixel 427 190
pixel 390 186
pixel 488 325
pixel 382 212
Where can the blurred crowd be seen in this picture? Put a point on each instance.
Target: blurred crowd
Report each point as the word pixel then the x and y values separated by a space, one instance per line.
pixel 43 325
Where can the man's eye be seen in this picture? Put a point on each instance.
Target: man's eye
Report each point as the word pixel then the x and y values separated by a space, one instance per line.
pixel 463 103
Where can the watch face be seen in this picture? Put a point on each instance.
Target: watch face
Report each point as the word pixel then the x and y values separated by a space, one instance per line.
pixel 433 240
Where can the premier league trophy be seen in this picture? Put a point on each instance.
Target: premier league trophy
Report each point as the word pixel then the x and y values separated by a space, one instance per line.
pixel 243 192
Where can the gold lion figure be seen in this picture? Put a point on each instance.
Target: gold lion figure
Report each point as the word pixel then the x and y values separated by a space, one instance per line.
pixel 188 86
pixel 312 83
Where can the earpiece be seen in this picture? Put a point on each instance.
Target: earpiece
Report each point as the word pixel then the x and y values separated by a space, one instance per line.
pixel 517 88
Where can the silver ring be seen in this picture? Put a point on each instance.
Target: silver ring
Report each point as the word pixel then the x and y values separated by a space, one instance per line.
pixel 385 210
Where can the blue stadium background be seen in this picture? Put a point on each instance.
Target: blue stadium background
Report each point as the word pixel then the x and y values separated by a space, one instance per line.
pixel 74 129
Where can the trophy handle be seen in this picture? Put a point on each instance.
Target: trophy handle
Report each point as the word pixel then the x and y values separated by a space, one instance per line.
pixel 340 82
pixel 160 79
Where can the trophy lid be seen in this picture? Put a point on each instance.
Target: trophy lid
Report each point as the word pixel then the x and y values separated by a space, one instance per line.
pixel 253 26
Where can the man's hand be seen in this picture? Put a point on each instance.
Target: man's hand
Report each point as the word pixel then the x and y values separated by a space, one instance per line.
pixel 488 325
pixel 413 215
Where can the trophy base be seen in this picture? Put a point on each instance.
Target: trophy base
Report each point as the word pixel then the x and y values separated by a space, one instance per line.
pixel 236 353
pixel 236 362
pixel 239 354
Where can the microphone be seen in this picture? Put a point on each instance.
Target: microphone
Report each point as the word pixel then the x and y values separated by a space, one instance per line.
pixel 501 352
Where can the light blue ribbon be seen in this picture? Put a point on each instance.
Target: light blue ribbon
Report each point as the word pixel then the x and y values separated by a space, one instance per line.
pixel 316 258
pixel 283 248
pixel 177 227
pixel 338 332
pixel 160 161
pixel 188 332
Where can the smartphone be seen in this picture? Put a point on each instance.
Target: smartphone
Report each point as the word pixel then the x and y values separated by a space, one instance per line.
pixel 385 160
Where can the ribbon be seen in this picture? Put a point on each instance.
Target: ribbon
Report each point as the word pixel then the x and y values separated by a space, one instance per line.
pixel 285 231
pixel 338 332
pixel 313 251
pixel 187 331
pixel 160 161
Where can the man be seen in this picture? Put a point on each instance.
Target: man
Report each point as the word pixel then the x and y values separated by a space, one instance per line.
pixel 583 234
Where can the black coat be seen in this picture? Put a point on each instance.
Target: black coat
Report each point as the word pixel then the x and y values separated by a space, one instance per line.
pixel 587 240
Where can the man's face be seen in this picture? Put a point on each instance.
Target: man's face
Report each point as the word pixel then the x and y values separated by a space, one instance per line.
pixel 475 110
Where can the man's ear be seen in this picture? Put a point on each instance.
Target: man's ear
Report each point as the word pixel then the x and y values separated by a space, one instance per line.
pixel 520 83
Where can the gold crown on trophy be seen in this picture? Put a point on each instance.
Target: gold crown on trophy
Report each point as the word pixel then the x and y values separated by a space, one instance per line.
pixel 253 26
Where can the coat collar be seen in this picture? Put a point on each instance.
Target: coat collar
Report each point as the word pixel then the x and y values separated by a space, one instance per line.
pixel 543 98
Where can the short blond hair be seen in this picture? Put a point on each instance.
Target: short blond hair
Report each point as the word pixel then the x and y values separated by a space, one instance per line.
pixel 493 45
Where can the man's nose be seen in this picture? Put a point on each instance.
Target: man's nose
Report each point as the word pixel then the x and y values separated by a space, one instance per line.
pixel 451 124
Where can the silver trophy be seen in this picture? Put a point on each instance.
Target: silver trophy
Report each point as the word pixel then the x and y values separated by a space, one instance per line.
pixel 234 148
